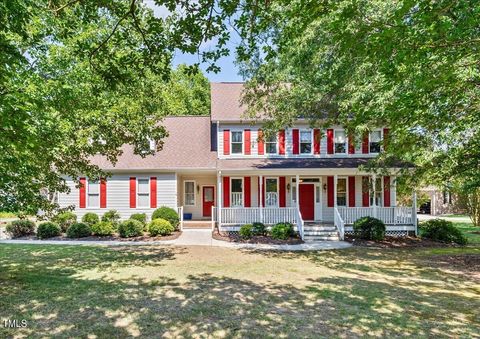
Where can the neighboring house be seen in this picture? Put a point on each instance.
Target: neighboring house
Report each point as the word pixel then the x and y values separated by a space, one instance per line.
pixel 439 202
pixel 299 175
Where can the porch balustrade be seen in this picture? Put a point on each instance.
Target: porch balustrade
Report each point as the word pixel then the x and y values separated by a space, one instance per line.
pixel 248 215
pixel 389 215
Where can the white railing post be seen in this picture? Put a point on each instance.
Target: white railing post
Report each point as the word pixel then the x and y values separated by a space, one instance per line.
pixel 219 199
pixel 260 202
pixel 414 212
pixel 339 223
pixel 213 218
pixel 180 211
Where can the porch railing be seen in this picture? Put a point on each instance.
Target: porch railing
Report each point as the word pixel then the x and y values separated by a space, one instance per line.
pixel 389 215
pixel 339 223
pixel 214 217
pixel 246 215
pixel 300 223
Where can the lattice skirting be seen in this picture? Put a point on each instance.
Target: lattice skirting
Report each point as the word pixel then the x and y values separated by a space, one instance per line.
pixel 393 233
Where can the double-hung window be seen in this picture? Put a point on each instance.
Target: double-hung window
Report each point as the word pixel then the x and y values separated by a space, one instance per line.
pixel 375 140
pixel 271 144
pixel 342 192
pixel 93 193
pixel 377 193
pixel 305 142
pixel 340 142
pixel 189 193
pixel 143 193
pixel 271 192
pixel 236 194
pixel 237 142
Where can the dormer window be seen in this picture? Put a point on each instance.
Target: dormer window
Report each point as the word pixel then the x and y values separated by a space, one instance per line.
pixel 237 142
pixel 306 142
pixel 375 141
pixel 271 144
pixel 340 142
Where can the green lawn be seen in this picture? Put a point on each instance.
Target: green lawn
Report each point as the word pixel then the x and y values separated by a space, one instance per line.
pixel 216 292
pixel 465 225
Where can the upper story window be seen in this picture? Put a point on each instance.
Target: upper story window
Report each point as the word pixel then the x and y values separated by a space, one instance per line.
pixel 143 193
pixel 236 194
pixel 271 192
pixel 375 140
pixel 305 142
pixel 189 193
pixel 340 142
pixel 237 142
pixel 342 192
pixel 93 193
pixel 271 144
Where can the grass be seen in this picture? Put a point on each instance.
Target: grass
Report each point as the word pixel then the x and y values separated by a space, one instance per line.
pixel 471 232
pixel 73 291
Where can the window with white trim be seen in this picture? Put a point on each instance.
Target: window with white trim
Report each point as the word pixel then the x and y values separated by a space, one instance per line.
pixel 271 144
pixel 237 142
pixel 342 192
pixel 377 193
pixel 236 192
pixel 305 142
pixel 340 141
pixel 271 192
pixel 93 199
pixel 189 193
pixel 143 192
pixel 375 140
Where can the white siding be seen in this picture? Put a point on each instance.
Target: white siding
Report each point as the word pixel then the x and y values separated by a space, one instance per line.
pixel 118 195
pixel 200 181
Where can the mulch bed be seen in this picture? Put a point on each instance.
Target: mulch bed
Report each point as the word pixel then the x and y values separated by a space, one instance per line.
pixel 258 239
pixel 173 236
pixel 396 242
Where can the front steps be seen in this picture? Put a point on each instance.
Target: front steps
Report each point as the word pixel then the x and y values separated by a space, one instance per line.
pixel 320 232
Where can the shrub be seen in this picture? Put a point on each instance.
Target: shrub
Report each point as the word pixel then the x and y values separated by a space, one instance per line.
pixel 20 228
pixel 442 230
pixel 282 230
pixel 246 231
pixel 103 228
pixel 64 220
pixel 48 230
pixel 79 230
pixel 160 227
pixel 111 216
pixel 369 228
pixel 130 228
pixel 168 214
pixel 141 217
pixel 259 228
pixel 90 218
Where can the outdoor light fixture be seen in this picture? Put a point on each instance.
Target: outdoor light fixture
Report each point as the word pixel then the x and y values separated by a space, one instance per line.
pixel 288 187
pixel 325 187
pixel 198 189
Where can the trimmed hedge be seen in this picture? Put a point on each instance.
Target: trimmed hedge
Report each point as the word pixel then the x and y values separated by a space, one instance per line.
pixel 20 228
pixel 65 219
pixel 130 228
pixel 90 218
pixel 246 231
pixel 443 231
pixel 282 230
pixel 103 228
pixel 168 214
pixel 142 217
pixel 79 230
pixel 48 230
pixel 160 227
pixel 369 228
pixel 111 216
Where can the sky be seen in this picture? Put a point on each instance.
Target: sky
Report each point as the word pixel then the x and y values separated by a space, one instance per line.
pixel 229 71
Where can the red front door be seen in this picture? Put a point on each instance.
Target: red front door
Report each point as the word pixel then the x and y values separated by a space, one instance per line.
pixel 208 200
pixel 307 201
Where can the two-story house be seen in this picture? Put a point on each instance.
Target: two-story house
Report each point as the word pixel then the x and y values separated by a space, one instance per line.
pixel 222 169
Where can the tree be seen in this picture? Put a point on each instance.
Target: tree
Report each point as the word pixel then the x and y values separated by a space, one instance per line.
pixel 410 65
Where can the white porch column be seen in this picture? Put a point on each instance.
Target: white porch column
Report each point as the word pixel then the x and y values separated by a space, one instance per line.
pixel 260 201
pixel 393 191
pixel 374 203
pixel 335 178
pixel 414 211
pixel 219 198
pixel 297 191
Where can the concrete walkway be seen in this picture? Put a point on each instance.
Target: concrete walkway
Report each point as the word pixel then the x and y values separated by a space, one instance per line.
pixel 193 237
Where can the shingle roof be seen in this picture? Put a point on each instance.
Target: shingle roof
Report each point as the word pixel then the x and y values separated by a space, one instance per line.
pixel 187 146
pixel 225 99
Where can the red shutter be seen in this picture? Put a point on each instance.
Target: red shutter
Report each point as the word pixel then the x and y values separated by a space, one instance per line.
pixel 330 192
pixel 330 141
pixel 316 141
pixel 247 191
pixel 261 145
pixel 103 193
pixel 226 142
pixel 351 144
pixel 83 196
pixel 133 192
pixel 226 191
pixel 385 137
pixel 295 142
pixel 386 191
pixel 282 189
pixel 247 143
pixel 365 192
pixel 365 143
pixel 153 192
pixel 351 191
pixel 281 142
